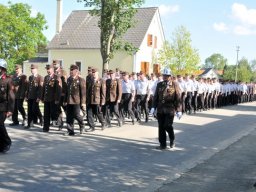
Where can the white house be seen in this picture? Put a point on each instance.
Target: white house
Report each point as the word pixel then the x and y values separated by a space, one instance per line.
pixel 78 42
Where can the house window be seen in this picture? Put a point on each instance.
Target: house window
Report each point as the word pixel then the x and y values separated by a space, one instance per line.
pixel 150 40
pixel 78 63
pixel 156 68
pixel 144 67
pixel 155 42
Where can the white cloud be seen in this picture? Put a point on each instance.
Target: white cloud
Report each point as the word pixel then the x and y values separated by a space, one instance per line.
pixel 220 27
pixel 243 14
pixel 244 21
pixel 168 9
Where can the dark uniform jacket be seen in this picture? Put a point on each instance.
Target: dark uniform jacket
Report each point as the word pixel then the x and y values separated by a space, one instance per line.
pixel 7 96
pixel 20 86
pixel 35 87
pixel 96 92
pixel 113 90
pixel 51 88
pixel 76 91
pixel 167 98
pixel 62 75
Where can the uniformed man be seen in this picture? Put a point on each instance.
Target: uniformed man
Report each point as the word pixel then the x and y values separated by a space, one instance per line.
pixel 95 100
pixel 19 81
pixel 201 92
pixel 6 105
pixel 167 103
pixel 75 99
pixel 195 92
pixel 34 96
pixel 142 97
pixel 118 73
pixel 152 87
pixel 183 89
pixel 189 93
pixel 128 96
pixel 89 83
pixel 113 98
pixel 62 75
pixel 51 96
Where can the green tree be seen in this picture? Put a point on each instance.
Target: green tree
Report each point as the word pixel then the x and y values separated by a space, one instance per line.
pixel 116 17
pixel 216 61
pixel 244 72
pixel 253 67
pixel 179 55
pixel 229 72
pixel 20 33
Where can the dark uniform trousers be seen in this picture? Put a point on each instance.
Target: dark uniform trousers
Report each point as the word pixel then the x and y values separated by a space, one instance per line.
pixel 194 101
pixel 18 106
pixel 34 111
pixel 73 112
pixel 141 106
pixel 49 114
pixel 183 98
pixel 165 122
pixel 111 108
pixel 126 106
pixel 200 98
pixel 94 109
pixel 209 101
pixel 150 102
pixel 188 101
pixel 5 141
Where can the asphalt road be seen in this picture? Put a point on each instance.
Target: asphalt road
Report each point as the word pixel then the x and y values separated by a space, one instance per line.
pixel 124 159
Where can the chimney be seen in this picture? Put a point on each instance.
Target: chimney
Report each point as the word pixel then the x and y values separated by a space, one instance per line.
pixel 59 16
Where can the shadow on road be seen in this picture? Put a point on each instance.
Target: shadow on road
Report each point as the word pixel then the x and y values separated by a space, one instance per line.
pixel 98 162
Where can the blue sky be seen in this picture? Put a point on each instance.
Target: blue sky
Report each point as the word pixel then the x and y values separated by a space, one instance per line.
pixel 217 26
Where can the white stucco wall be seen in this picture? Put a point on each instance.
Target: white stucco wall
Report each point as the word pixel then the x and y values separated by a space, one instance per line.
pixel 145 54
pixel 90 57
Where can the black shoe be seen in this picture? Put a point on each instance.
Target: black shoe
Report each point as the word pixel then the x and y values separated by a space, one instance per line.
pixel 14 124
pixel 45 130
pixel 146 120
pixel 172 144
pixel 7 148
pixel 81 131
pixel 119 123
pixel 24 122
pixel 27 127
pixel 41 122
pixel 69 134
pixel 254 185
pixel 161 148
pixel 91 129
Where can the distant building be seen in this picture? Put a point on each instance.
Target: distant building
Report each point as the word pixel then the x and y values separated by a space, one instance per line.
pixel 211 73
pixel 78 42
pixel 40 61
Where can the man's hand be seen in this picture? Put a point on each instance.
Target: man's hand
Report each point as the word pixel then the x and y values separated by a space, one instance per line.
pixel 8 114
pixel 83 107
pixel 179 114
pixel 152 110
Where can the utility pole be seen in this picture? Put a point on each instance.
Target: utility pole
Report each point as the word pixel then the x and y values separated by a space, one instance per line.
pixel 237 50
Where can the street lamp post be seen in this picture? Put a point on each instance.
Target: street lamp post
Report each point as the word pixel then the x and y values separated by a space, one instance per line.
pixel 237 50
